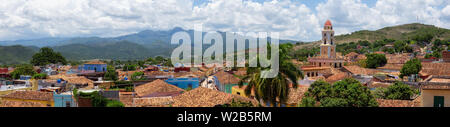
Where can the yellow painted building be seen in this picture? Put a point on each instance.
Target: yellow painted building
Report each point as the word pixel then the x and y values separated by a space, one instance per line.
pixel 45 98
pixel 435 92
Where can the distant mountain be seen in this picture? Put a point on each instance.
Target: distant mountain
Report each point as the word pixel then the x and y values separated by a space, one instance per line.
pixel 121 50
pixel 16 54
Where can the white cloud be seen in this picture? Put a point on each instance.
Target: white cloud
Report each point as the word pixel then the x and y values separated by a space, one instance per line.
pixel 24 19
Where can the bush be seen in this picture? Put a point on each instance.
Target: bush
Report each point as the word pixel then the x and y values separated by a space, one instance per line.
pixel 114 103
pixel 307 102
pixel 40 76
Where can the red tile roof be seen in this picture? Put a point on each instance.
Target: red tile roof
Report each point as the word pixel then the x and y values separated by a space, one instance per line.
pixel 30 95
pixel 157 86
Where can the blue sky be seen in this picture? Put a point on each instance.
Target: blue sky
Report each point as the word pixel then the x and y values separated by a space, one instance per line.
pixel 293 19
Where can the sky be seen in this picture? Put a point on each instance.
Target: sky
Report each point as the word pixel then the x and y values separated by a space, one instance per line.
pixel 300 20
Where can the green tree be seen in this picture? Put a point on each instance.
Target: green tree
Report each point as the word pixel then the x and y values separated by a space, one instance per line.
pixel 271 89
pixel 319 90
pixel 334 102
pixel 46 56
pixel 110 73
pixel 413 66
pixel 345 93
pixel 129 67
pixel 25 69
pixel 399 91
pixel 354 92
pixel 375 60
pixel 137 76
pixel 40 76
pixel 307 102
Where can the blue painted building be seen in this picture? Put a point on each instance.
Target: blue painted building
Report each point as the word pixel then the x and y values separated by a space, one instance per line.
pixel 63 100
pixel 96 66
pixel 184 83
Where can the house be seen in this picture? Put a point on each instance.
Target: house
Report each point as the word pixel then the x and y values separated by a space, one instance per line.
pixel 4 73
pixel 184 83
pixel 182 69
pixel 315 71
pixel 226 81
pixel 435 91
pixel 93 66
pixel 204 97
pixel 153 102
pixel 157 88
pixel 78 81
pixel 446 56
pixel 64 99
pixel 45 98
pixel 351 57
pixel 441 69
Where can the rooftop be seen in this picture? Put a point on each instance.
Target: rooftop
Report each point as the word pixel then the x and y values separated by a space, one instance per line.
pixel 157 86
pixel 204 97
pixel 30 95
pixel 95 62
pixel 226 78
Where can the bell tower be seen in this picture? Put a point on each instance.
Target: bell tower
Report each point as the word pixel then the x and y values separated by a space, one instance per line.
pixel 328 48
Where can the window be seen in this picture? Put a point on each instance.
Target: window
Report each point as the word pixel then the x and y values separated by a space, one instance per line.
pixel 238 93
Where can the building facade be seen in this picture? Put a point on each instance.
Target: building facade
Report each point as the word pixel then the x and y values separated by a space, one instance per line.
pixel 327 56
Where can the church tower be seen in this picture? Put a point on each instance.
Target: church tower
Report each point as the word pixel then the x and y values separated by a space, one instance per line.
pixel 328 48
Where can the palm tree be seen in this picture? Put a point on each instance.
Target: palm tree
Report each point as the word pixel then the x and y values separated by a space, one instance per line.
pixel 271 89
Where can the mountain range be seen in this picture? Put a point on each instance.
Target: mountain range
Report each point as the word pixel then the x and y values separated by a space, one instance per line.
pixel 150 43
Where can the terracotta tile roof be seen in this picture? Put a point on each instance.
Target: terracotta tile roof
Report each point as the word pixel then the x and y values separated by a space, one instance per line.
pixel 95 62
pixel 8 103
pixel 361 57
pixel 204 97
pixel 226 78
pixel 436 86
pixel 391 66
pixel 73 79
pixel 296 95
pixel 337 77
pixel 440 80
pixel 441 69
pixel 354 69
pixel 30 95
pixel 399 103
pixel 153 102
pixel 157 86
pixel 397 58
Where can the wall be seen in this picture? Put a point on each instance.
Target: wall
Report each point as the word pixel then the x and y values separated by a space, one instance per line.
pixel 428 97
pixel 96 67
pixel 60 100
pixel 235 90
pixel 184 82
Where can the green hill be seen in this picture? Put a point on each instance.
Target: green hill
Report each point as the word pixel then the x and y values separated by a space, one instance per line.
pixel 122 50
pixel 16 54
pixel 400 32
